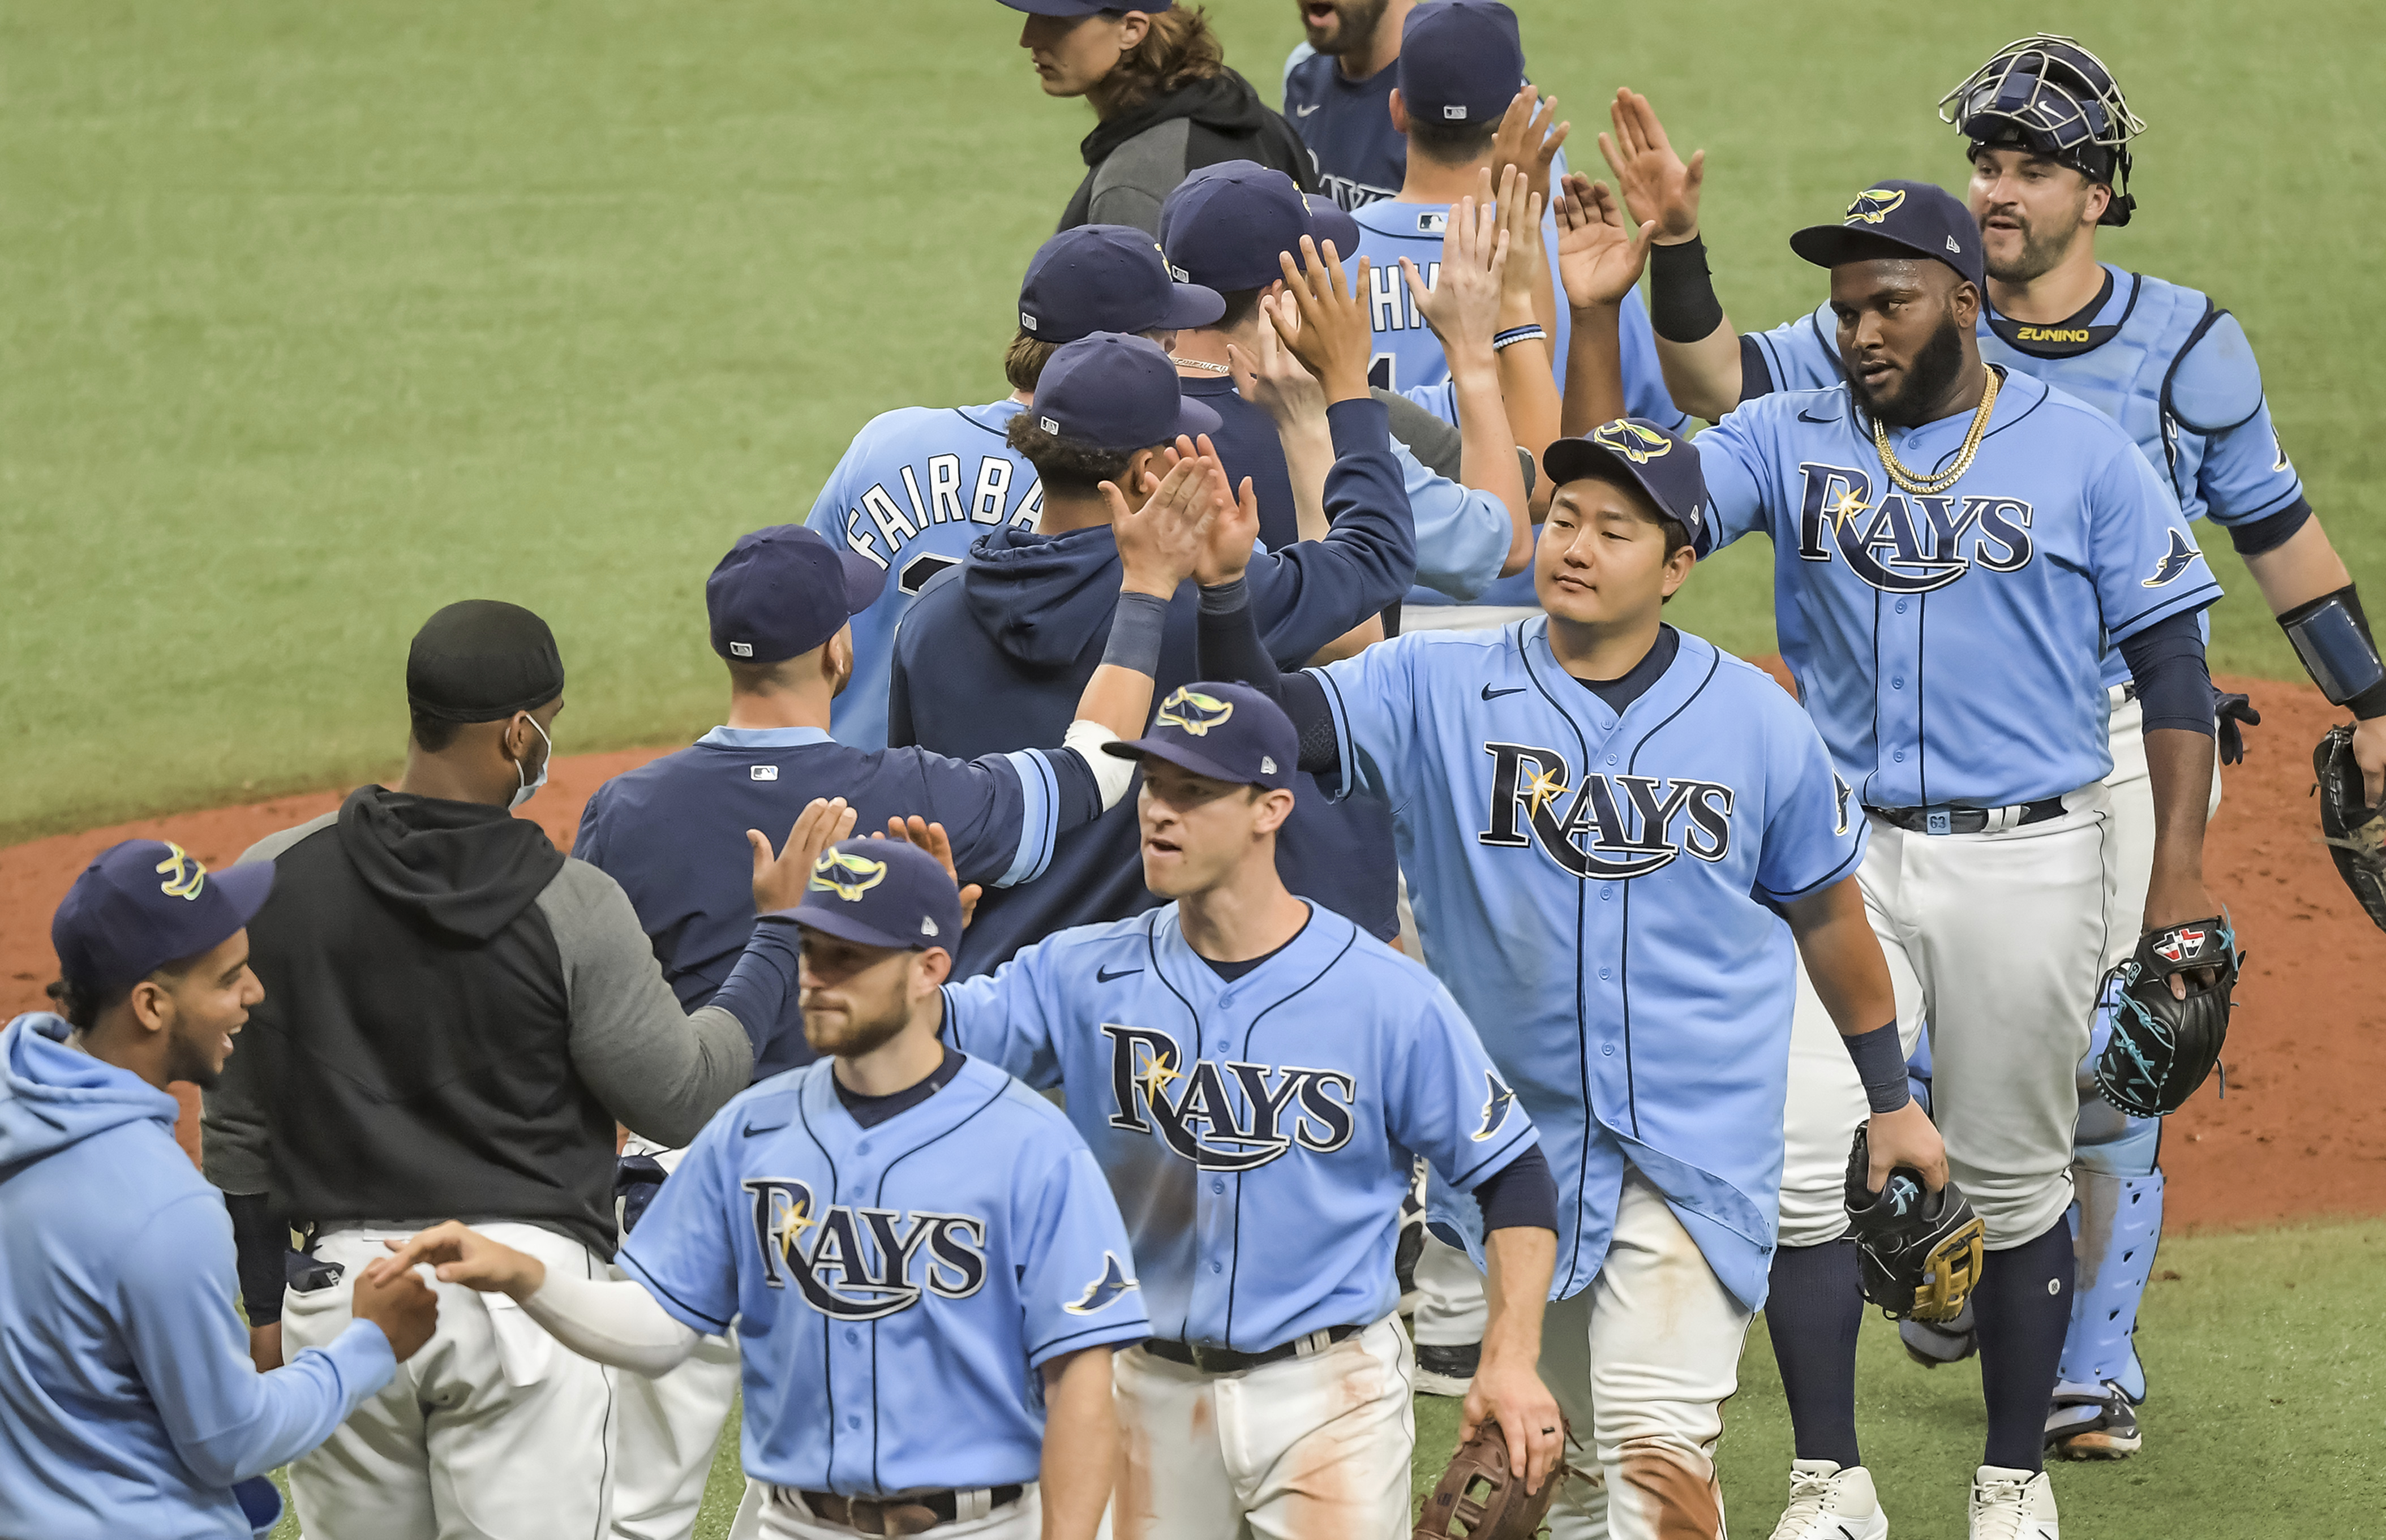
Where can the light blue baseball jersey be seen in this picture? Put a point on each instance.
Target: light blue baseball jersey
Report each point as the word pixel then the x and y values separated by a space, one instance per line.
pixel 1259 1134
pixel 2171 367
pixel 895 1289
pixel 1598 893
pixel 915 488
pixel 1950 647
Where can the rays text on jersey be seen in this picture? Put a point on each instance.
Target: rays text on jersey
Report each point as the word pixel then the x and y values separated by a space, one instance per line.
pixel 858 1264
pixel 1902 545
pixel 1224 1117
pixel 1603 826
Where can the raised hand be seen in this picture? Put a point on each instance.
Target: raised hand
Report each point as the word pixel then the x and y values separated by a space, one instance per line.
pixel 1462 306
pixel 1520 222
pixel 779 880
pixel 1525 140
pixel 1653 180
pixel 1274 378
pixel 1599 254
pixel 1333 341
pixel 1158 542
pixel 932 838
pixel 1234 527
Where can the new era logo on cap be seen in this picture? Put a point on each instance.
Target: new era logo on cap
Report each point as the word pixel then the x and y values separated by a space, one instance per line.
pixel 927 926
pixel 1952 246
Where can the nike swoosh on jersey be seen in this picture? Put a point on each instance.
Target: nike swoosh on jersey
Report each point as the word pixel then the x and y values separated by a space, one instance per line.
pixel 1828 416
pixel 1489 694
pixel 1305 111
pixel 750 1130
pixel 1103 975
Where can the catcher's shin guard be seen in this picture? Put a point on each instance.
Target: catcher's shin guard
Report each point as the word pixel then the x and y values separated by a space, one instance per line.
pixel 2120 1226
pixel 1920 1250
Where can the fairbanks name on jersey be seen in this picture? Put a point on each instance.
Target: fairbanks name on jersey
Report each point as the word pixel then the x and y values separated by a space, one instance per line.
pixel 1259 1132
pixel 1950 647
pixel 896 1288
pixel 1599 891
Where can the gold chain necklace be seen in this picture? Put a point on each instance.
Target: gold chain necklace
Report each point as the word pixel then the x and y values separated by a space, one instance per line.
pixel 1930 487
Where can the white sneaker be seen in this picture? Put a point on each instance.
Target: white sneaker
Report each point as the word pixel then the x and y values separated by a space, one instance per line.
pixel 2012 1504
pixel 1827 1502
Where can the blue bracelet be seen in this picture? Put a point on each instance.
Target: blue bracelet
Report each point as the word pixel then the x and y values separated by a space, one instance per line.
pixel 1515 334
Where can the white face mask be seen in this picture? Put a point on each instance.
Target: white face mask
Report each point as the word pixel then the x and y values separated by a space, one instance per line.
pixel 530 786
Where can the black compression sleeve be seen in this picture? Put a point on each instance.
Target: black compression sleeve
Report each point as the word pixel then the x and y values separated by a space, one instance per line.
pixel 1682 304
pixel 2173 685
pixel 2269 533
pixel 258 1245
pixel 1080 795
pixel 1755 374
pixel 1226 646
pixel 1521 1195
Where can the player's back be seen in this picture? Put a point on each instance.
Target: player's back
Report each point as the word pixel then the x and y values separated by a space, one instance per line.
pixel 917 487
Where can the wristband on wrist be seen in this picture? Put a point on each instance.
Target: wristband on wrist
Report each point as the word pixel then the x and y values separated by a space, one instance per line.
pixel 1514 334
pixel 2331 635
pixel 1226 598
pixel 1134 634
pixel 1682 303
pixel 1879 1060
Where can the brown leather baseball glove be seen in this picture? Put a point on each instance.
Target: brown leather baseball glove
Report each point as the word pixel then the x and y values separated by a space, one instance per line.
pixel 1479 1498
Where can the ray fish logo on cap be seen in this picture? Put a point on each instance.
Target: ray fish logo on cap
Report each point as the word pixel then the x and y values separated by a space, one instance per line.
pixel 1873 205
pixel 185 878
pixel 847 876
pixel 1194 711
pixel 1632 441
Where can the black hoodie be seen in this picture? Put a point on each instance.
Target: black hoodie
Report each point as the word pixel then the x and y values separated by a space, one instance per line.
pixel 1135 160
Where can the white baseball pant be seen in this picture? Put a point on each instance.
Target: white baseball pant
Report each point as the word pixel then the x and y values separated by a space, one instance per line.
pixel 1291 1450
pixel 1995 942
pixel 1642 1361
pixel 493 1431
pixel 670 1425
pixel 774 1513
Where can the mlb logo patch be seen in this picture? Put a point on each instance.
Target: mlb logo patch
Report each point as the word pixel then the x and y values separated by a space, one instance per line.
pixel 1455 114
pixel 1179 274
pixel 1048 425
pixel 1432 224
pixel 1026 321
pixel 764 773
pixel 741 649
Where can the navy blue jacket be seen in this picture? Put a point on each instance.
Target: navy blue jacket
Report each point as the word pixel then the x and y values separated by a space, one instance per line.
pixel 993 655
pixel 670 833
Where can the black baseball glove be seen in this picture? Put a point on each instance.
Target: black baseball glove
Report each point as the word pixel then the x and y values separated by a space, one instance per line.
pixel 2162 1048
pixel 1920 1250
pixel 2356 832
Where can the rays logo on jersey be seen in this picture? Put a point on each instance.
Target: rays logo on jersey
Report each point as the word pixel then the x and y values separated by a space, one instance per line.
pixel 1496 1102
pixel 1629 439
pixel 847 876
pixel 1888 547
pixel 2177 559
pixel 1625 824
pixel 1872 205
pixel 857 1264
pixel 1225 1117
pixel 1194 711
pixel 1103 1292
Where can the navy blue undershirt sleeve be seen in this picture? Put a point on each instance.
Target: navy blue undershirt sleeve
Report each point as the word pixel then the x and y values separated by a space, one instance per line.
pixel 1755 374
pixel 1077 795
pixel 763 981
pixel 2174 684
pixel 2269 533
pixel 1226 647
pixel 1521 1195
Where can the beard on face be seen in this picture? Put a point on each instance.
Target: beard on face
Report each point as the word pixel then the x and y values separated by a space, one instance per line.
pixel 1358 20
pixel 1934 369
pixel 870 1026
pixel 2040 253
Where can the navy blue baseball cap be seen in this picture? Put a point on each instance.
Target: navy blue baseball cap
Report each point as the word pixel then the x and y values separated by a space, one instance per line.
pixel 144 904
pixel 1461 61
pixel 882 893
pixel 1329 220
pixel 1115 393
pixel 1899 219
pixel 1107 277
pixel 783 591
pixel 1658 461
pixel 1225 223
pixel 1087 8
pixel 1226 732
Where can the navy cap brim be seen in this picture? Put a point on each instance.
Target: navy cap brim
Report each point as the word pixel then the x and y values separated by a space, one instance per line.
pixel 1191 305
pixel 1570 459
pixel 1178 755
pixel 850 927
pixel 864 580
pixel 1836 245
pixel 1077 8
pixel 1195 418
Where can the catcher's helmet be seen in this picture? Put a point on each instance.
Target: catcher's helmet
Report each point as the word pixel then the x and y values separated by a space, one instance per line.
pixel 2048 94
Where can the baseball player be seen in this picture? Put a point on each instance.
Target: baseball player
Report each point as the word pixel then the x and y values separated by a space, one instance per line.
pixel 1604 821
pixel 1930 512
pixel 1338 93
pixel 2048 134
pixel 919 484
pixel 1253 1072
pixel 925 1267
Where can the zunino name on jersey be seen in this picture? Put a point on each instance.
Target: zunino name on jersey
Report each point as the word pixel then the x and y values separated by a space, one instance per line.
pixel 947 501
pixel 801 1242
pixel 1629 836
pixel 1205 1121
pixel 1884 544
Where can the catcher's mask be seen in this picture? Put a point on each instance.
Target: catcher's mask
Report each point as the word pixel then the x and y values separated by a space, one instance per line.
pixel 2049 96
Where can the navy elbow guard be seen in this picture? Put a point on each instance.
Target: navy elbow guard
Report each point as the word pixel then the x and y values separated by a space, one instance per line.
pixel 2331 635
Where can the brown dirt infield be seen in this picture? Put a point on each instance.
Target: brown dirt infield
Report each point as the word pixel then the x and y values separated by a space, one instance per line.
pixel 2297 1135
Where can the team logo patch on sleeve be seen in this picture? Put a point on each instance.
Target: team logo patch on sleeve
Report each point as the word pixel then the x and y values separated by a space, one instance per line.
pixel 1103 1292
pixel 185 878
pixel 1873 205
pixel 1496 1102
pixel 1194 711
pixel 2175 561
pixel 847 876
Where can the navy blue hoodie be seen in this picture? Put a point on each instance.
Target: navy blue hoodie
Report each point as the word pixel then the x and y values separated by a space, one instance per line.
pixel 993 655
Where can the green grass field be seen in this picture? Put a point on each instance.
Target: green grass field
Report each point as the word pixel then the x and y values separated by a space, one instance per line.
pixel 317 318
